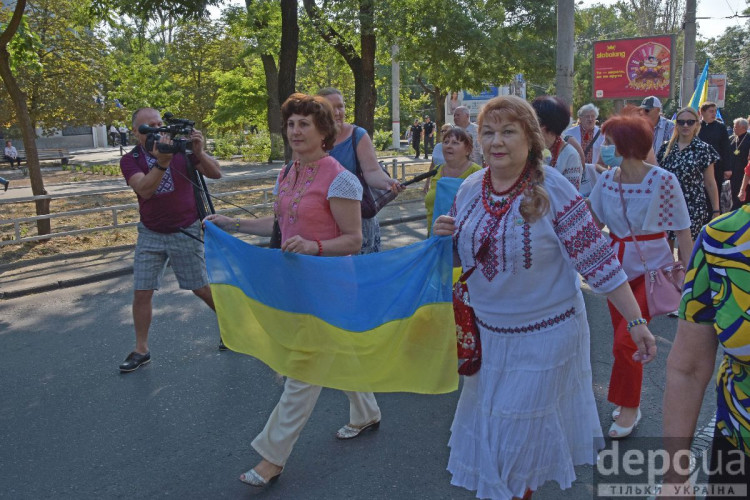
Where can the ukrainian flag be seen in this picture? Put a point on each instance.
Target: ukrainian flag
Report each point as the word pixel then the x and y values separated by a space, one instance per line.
pixel 381 322
pixel 701 90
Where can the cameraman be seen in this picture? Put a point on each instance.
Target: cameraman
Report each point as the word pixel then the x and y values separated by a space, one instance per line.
pixel 166 203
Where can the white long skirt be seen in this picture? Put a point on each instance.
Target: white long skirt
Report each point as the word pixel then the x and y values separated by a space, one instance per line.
pixel 529 415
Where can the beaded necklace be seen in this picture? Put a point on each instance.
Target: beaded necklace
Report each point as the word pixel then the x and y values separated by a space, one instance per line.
pixel 498 208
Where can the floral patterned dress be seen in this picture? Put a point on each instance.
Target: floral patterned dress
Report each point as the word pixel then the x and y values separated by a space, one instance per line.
pixel 688 165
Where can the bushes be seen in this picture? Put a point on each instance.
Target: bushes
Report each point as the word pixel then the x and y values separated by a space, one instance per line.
pixel 225 148
pixel 113 170
pixel 257 148
pixel 382 139
pixel 252 147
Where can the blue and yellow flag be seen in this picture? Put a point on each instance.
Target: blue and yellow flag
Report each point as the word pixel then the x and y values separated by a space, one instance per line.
pixel 701 90
pixel 381 322
pixel 445 192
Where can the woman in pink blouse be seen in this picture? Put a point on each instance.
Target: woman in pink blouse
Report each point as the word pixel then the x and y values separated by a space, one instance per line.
pixel 654 203
pixel 318 208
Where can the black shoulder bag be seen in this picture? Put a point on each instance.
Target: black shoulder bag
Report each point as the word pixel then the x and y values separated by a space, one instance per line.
pixel 373 200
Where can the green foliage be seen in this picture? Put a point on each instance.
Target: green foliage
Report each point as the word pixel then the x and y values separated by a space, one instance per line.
pixel 240 98
pixel 382 139
pixel 57 61
pixel 726 57
pixel 257 148
pixel 226 147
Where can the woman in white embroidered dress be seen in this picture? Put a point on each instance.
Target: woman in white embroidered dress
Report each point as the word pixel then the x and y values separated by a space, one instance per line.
pixel 654 204
pixel 529 415
pixel 554 117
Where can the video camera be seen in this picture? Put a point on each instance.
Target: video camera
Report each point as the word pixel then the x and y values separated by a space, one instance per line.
pixel 174 127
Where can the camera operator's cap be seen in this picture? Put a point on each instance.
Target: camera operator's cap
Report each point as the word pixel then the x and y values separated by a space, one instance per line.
pixel 651 102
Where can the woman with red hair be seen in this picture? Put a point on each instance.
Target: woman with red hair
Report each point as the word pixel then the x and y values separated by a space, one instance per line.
pixel 636 199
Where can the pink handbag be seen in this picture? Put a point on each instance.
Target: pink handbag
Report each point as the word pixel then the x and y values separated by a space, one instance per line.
pixel 664 288
pixel 663 285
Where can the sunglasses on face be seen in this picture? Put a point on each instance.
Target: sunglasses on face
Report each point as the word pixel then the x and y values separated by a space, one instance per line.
pixel 682 123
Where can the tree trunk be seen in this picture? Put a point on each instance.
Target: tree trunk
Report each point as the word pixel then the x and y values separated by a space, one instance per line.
pixel 274 107
pixel 440 112
pixel 362 66
pixel 288 58
pixel 365 110
pixel 24 120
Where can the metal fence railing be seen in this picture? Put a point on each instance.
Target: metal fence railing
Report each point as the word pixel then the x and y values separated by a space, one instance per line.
pixel 19 237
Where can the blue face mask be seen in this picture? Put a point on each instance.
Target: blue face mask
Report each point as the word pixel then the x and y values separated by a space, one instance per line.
pixel 609 157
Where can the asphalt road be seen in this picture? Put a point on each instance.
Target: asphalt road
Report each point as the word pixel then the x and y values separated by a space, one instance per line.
pixel 73 427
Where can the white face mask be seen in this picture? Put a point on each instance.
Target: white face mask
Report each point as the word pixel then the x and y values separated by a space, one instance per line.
pixel 608 155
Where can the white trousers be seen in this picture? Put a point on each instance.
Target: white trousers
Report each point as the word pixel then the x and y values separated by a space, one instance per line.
pixel 276 440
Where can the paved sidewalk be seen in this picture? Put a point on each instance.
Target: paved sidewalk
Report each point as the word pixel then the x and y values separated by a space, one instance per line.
pixel 402 224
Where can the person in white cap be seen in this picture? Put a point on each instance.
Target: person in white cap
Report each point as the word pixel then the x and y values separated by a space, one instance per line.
pixel 651 109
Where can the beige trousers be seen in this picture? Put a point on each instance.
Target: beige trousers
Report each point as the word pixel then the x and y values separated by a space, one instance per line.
pixel 276 440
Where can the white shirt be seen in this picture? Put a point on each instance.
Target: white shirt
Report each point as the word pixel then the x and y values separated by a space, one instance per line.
pixel 531 270
pixel 10 151
pixel 575 132
pixel 569 164
pixel 653 206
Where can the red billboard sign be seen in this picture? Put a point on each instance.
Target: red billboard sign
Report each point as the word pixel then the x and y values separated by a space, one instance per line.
pixel 633 68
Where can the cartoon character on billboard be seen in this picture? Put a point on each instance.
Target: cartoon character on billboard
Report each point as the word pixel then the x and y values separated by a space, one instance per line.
pixel 649 67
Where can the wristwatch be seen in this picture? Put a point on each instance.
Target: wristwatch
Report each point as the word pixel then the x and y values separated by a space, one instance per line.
pixel 163 169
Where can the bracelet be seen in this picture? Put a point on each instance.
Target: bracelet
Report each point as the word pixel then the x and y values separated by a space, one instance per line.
pixel 320 247
pixel 236 225
pixel 163 169
pixel 636 322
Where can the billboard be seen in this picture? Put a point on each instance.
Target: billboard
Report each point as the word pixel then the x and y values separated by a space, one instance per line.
pixel 475 102
pixel 717 89
pixel 633 68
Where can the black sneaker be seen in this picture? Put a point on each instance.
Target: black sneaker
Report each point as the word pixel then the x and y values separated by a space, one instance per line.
pixel 6 185
pixel 222 347
pixel 134 361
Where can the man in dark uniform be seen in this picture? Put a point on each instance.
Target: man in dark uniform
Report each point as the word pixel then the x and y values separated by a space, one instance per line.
pixel 415 132
pixel 714 133
pixel 429 135
pixel 739 148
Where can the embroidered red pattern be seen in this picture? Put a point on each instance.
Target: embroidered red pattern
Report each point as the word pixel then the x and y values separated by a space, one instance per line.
pixel 666 203
pixel 583 241
pixel 526 245
pixel 533 327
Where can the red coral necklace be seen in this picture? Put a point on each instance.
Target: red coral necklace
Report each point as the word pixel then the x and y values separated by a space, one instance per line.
pixel 498 207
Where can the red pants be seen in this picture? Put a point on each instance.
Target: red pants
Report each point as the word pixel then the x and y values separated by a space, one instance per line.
pixel 627 374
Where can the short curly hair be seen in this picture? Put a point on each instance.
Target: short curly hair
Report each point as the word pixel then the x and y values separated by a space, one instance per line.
pixel 317 107
pixel 461 136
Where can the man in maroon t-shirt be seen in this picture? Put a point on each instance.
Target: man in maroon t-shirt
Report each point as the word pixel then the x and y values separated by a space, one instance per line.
pixel 166 203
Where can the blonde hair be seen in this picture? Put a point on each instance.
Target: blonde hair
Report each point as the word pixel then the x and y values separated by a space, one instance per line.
pixel 536 200
pixel 676 131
